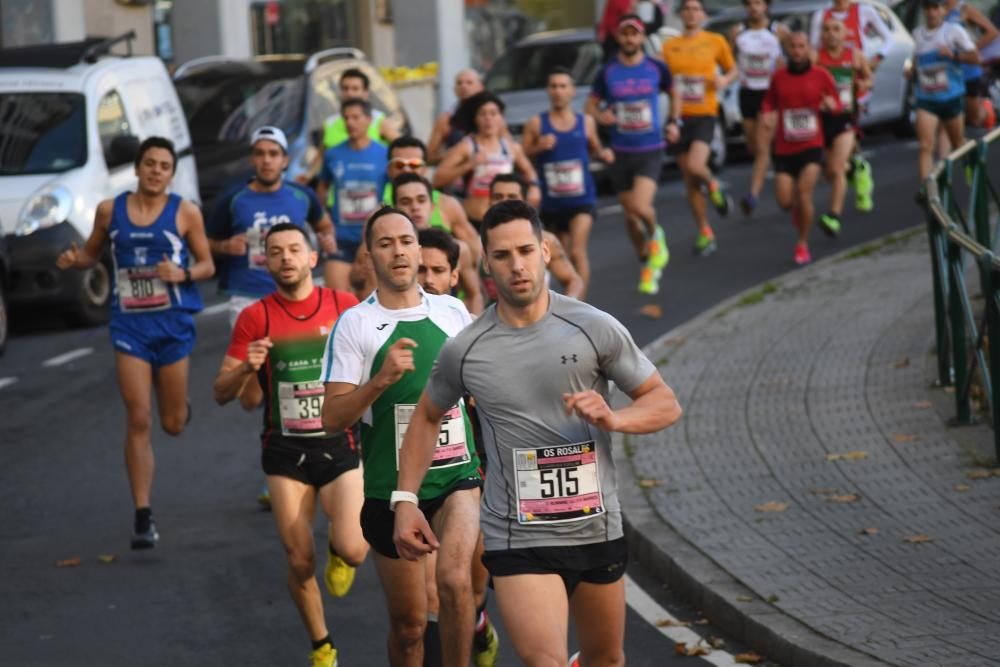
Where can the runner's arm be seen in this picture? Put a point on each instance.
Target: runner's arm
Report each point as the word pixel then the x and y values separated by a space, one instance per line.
pixel 727 63
pixel 964 51
pixel 435 145
pixel 523 165
pixel 654 407
pixel 237 379
pixel 93 247
pixel 194 233
pixel 388 129
pixel 594 141
pixel 562 269
pixel 455 164
pixel 985 25
pixel 816 29
pixel 461 228
pixel 530 136
pixel 862 71
pixel 468 279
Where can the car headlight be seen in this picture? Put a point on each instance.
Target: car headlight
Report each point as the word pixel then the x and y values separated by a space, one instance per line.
pixel 45 209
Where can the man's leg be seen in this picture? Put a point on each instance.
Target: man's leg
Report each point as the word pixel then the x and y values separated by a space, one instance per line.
pixel 578 237
pixel 599 616
pixel 954 128
pixel 805 184
pixel 837 158
pixel 693 181
pixel 171 395
pixel 761 140
pixel 135 380
pixel 927 129
pixel 633 224
pixel 457 526
pixel 406 599
pixel 342 500
pixel 535 614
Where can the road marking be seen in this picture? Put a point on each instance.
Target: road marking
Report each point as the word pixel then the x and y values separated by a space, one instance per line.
pixel 67 357
pixel 609 210
pixel 216 309
pixel 6 382
pixel 653 613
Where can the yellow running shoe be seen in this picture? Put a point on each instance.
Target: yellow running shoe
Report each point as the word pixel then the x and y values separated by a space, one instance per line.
pixel 486 646
pixel 324 656
pixel 338 576
pixel 656 249
pixel 649 281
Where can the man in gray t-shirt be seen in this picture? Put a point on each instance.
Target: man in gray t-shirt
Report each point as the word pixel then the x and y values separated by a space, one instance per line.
pixel 538 365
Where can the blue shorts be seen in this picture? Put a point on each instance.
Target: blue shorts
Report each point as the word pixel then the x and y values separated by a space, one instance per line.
pixel 347 250
pixel 943 109
pixel 160 338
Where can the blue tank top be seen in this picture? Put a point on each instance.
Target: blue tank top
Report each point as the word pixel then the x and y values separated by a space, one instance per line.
pixel 253 213
pixel 970 72
pixel 565 170
pixel 357 179
pixel 136 252
pixel 633 93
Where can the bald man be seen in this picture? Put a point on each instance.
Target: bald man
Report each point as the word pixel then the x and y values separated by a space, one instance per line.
pixel 444 136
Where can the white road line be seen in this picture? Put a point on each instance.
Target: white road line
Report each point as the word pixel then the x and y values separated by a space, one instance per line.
pixel 215 310
pixel 67 357
pixel 608 210
pixel 653 613
pixel 6 382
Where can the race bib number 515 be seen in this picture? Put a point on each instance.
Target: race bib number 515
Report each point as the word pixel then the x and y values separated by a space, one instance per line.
pixel 558 484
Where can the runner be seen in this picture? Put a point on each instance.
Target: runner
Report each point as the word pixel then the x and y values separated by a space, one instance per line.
pixel 799 93
pixel 274 360
pixel 510 187
pixel 849 68
pixel 629 87
pixel 355 85
pixel 375 366
pixel 482 155
pixel 539 366
pixel 940 50
pixel 356 172
pixel 560 141
pixel 758 53
pixel 695 58
pixel 964 14
pixel 444 134
pixel 153 235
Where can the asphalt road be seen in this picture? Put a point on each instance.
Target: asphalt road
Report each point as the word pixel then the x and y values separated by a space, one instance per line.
pixel 213 591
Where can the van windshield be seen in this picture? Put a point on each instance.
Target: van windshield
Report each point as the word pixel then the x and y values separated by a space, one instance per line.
pixel 41 133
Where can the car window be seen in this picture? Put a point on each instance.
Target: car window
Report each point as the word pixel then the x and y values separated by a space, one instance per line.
pixel 527 67
pixel 41 133
pixel 111 120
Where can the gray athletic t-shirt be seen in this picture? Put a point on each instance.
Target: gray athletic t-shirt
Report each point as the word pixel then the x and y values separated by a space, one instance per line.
pixel 550 479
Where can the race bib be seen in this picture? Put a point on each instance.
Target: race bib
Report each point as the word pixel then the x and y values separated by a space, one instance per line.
pixel 757 65
pixel 300 405
pixel 256 251
pixel 557 484
pixel 800 124
pixel 451 449
pixel 484 173
pixel 565 178
pixel 140 289
pixel 845 89
pixel 634 117
pixel 692 89
pixel 933 79
pixel 357 203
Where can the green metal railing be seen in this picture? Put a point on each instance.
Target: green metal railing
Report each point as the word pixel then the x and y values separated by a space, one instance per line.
pixel 966 339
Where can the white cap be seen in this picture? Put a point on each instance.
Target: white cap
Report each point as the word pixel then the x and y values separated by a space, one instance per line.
pixel 269 133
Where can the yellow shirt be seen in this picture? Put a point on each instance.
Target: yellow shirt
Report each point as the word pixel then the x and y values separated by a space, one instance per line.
pixel 692 62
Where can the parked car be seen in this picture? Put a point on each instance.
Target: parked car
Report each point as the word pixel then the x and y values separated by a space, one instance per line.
pixel 891 100
pixel 71 119
pixel 225 99
pixel 520 75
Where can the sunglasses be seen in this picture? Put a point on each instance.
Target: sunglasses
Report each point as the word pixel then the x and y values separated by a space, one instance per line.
pixel 408 164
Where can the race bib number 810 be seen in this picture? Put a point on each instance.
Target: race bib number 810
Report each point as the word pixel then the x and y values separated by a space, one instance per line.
pixel 558 484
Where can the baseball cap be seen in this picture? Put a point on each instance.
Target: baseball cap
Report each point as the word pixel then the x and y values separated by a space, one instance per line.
pixel 271 134
pixel 631 21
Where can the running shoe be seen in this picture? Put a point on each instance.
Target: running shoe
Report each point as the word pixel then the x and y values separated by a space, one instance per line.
pixel 338 575
pixel 145 535
pixel 324 656
pixel 747 204
pixel 657 252
pixel 802 255
pixel 649 281
pixel 704 244
pixel 864 184
pixel 830 224
pixel 574 660
pixel 264 498
pixel 720 200
pixel 486 646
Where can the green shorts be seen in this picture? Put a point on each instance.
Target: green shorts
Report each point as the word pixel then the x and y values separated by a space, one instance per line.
pixel 943 109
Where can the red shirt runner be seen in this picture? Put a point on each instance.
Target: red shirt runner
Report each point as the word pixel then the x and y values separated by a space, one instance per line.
pixel 796 98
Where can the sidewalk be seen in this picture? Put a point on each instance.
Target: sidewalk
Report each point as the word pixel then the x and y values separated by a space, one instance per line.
pixel 812 501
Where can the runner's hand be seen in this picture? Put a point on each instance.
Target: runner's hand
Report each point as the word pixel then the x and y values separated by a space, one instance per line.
pixel 672 133
pixel 828 103
pixel 236 245
pixel 592 407
pixel 607 155
pixel 67 259
pixel 412 534
pixel 257 353
pixel 169 272
pixel 398 360
pixel 946 53
pixel 327 242
pixel 606 117
pixel 547 142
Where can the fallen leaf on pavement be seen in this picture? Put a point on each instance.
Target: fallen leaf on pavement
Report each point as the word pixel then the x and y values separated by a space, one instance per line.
pixel 979 473
pixel 844 498
pixel 904 437
pixel 918 539
pixel 962 488
pixel 676 340
pixel 856 455
pixel 704 621
pixel 772 598
pixel 649 483
pixel 652 311
pixel 672 623
pixel 922 405
pixel 868 531
pixel 68 562
pixel 948 390
pixel 903 362
pixel 744 598
pixel 748 658
pixel 107 558
pixel 771 506
pixel 715 642
pixel 682 649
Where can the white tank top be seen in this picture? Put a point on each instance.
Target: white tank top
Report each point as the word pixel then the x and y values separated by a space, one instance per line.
pixel 757 53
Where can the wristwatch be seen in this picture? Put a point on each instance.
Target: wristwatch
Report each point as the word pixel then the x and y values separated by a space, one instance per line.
pixel 187 274
pixel 397 497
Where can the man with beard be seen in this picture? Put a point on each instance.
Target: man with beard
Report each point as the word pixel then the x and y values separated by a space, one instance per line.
pixel 274 359
pixel 539 366
pixel 375 366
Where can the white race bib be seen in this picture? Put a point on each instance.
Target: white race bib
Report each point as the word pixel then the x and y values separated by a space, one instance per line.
pixel 565 178
pixel 140 289
pixel 558 484
pixel 256 251
pixel 846 92
pixel 800 124
pixel 757 65
pixel 357 202
pixel 300 405
pixel 634 117
pixel 451 449
pixel 933 79
pixel 692 89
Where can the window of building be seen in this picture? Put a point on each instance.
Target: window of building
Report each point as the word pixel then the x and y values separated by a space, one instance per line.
pixel 302 26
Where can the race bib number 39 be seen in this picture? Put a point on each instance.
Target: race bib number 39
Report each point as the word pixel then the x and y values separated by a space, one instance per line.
pixel 557 484
pixel 800 124
pixel 565 178
pixel 140 289
pixel 451 449
pixel 301 407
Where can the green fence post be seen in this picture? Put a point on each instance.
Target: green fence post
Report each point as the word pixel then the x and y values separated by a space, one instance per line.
pixel 959 354
pixel 936 239
pixel 979 193
pixel 991 290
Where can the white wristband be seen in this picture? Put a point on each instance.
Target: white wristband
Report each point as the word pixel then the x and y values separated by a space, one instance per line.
pixel 402 497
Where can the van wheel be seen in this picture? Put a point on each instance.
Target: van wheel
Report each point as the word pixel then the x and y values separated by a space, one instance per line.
pixel 92 305
pixel 4 320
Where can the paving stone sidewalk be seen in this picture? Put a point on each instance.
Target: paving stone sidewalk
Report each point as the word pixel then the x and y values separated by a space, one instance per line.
pixel 812 500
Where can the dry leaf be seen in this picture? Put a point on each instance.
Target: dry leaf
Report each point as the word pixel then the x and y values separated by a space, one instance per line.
pixel 950 389
pixel 904 437
pixel 715 642
pixel 704 621
pixel 676 340
pixel 902 362
pixel 748 658
pixel 918 539
pixel 868 531
pixel 672 623
pixel 823 491
pixel 649 483
pixel 962 488
pixel 682 649
pixel 68 562
pixel 744 598
pixel 652 311
pixel 771 506
pixel 107 559
pixel 856 455
pixel 979 473
pixel 844 498
pixel 922 405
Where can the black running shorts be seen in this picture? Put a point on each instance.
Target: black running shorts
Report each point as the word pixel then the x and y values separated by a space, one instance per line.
pixel 794 163
pixel 557 220
pixel 596 563
pixel 696 128
pixel 628 165
pixel 314 462
pixel 750 101
pixel 835 124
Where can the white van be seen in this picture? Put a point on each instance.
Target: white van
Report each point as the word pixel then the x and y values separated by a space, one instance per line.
pixel 71 119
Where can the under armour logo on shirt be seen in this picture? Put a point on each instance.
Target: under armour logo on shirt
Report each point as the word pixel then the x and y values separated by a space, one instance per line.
pixel 567 358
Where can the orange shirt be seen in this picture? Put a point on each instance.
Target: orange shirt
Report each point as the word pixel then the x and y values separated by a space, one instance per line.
pixel 692 62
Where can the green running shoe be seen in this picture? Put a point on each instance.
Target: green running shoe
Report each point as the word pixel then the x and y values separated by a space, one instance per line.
pixel 486 646
pixel 830 224
pixel 720 200
pixel 649 280
pixel 864 184
pixel 704 244
pixel 657 252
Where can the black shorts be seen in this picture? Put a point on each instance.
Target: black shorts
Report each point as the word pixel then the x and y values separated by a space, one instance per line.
pixel 597 563
pixel 836 124
pixel 378 521
pixel 696 128
pixel 557 220
pixel 628 165
pixel 793 164
pixel 975 87
pixel 750 101
pixel 312 462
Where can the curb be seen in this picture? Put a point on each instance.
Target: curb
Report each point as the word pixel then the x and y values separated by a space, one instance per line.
pixel 691 572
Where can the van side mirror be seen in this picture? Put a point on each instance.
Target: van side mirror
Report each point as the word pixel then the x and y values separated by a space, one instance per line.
pixel 122 150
